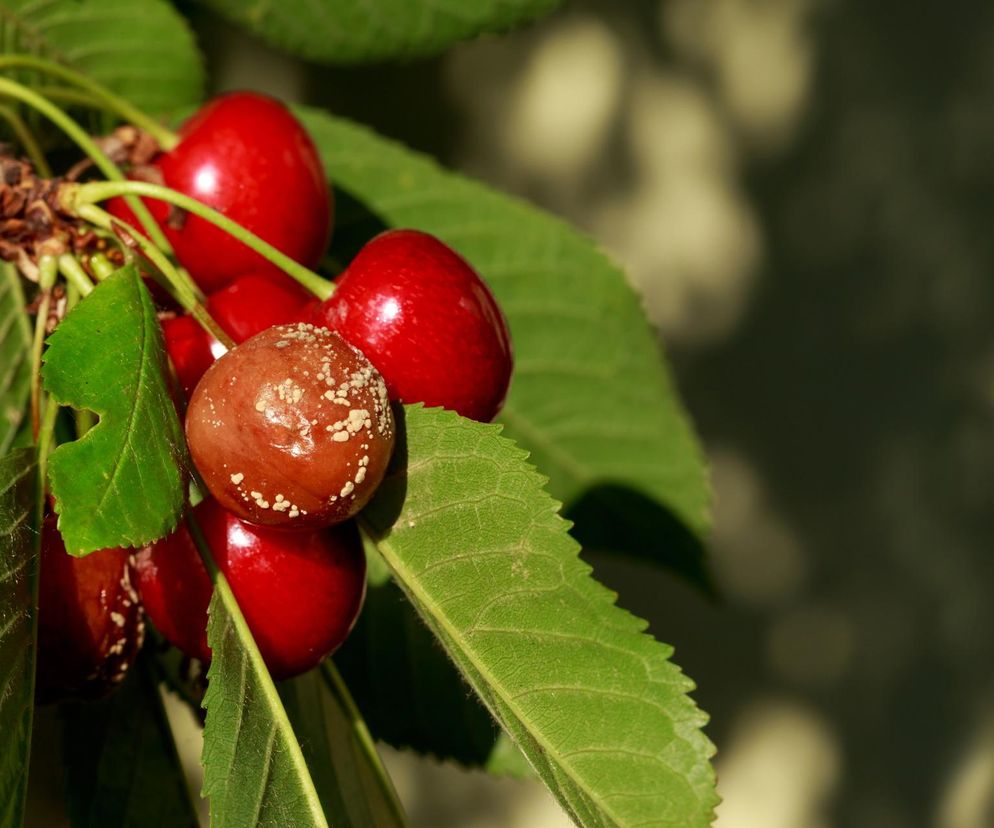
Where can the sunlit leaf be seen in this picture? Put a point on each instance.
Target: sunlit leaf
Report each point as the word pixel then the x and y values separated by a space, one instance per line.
pixel 122 484
pixel 254 770
pixel 594 703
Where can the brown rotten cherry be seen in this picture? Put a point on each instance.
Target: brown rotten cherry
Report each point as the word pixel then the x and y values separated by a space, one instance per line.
pixel 291 428
pixel 90 621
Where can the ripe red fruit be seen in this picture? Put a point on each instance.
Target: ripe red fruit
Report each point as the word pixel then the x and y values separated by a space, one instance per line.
pixel 300 592
pixel 427 321
pixel 248 157
pixel 292 428
pixel 247 306
pixel 90 621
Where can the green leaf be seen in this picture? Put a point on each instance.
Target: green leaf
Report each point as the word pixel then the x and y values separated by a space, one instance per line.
pixel 254 770
pixel 18 574
pixel 141 49
pixel 15 356
pixel 408 690
pixel 591 398
pixel 354 787
pixel 355 31
pixel 122 484
pixel 121 764
pixel 595 703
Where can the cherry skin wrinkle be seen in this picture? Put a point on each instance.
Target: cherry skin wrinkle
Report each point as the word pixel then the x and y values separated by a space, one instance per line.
pixel 90 620
pixel 248 157
pixel 427 321
pixel 300 592
pixel 292 428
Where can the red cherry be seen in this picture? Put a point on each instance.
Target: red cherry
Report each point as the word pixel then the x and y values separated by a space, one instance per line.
pixel 90 621
pixel 427 321
pixel 300 592
pixel 247 156
pixel 292 428
pixel 247 306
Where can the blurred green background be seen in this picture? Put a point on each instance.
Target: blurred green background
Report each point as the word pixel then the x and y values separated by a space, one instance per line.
pixel 801 191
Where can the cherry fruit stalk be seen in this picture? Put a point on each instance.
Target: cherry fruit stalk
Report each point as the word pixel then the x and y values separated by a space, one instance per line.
pixel 248 157
pixel 300 592
pixel 427 321
pixel 90 620
pixel 292 428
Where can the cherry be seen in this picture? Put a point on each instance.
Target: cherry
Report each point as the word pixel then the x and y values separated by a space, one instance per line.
pixel 427 321
pixel 247 306
pixel 90 621
pixel 247 156
pixel 300 592
pixel 292 428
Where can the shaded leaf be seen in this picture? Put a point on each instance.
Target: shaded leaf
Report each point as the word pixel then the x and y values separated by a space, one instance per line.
pixel 591 398
pixel 15 356
pixel 122 484
pixel 141 49
pixel 254 770
pixel 347 772
pixel 18 576
pixel 121 764
pixel 355 31
pixel 594 703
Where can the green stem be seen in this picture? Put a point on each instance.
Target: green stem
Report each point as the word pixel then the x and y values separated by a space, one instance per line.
pixel 176 279
pixel 64 94
pixel 27 140
pixel 82 194
pixel 336 686
pixel 101 266
pixel 48 270
pixel 46 436
pixel 74 131
pixel 74 274
pixel 114 103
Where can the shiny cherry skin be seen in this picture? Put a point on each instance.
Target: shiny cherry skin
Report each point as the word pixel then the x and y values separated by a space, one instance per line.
pixel 292 428
pixel 90 621
pixel 247 156
pixel 427 321
pixel 247 306
pixel 300 592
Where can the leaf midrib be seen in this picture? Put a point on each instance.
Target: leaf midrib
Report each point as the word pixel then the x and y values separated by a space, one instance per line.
pixel 439 617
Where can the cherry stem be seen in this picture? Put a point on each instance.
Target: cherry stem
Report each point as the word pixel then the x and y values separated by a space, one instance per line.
pixel 27 140
pixel 79 136
pixel 99 95
pixel 48 270
pixel 82 194
pixel 74 274
pixel 101 266
pixel 178 281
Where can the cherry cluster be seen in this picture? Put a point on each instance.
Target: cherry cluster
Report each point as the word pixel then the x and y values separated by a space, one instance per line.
pixel 292 429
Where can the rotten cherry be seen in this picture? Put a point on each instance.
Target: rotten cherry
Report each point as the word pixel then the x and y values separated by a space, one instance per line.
pixel 291 428
pixel 90 621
